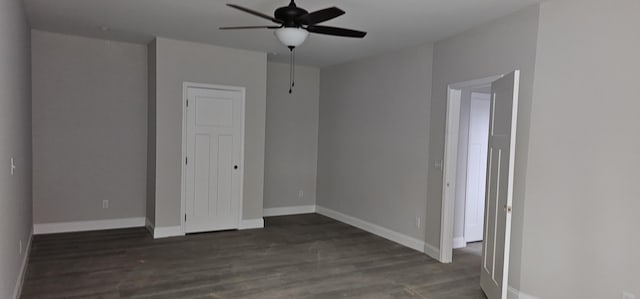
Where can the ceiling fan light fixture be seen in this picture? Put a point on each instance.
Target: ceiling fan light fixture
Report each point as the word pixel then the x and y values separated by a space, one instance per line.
pixel 294 25
pixel 291 36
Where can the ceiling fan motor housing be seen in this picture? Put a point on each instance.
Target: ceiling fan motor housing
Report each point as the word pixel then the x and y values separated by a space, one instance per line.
pixel 289 15
pixel 293 17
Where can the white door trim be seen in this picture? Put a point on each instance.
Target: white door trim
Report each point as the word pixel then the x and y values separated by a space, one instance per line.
pixel 185 88
pixel 452 131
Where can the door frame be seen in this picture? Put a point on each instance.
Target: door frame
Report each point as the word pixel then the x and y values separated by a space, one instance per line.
pixel 183 177
pixel 449 165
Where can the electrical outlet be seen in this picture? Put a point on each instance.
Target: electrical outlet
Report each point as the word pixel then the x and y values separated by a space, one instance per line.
pixel 105 204
pixel 627 295
pixel 418 221
pixel 300 194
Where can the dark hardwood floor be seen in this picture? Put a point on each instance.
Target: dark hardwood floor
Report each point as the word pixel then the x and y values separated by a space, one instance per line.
pixel 305 256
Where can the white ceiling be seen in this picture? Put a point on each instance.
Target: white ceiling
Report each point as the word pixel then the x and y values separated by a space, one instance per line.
pixel 391 24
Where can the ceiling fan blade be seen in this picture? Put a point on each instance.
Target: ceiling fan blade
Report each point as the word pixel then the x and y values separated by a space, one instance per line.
pixel 320 16
pixel 249 27
pixel 336 31
pixel 255 13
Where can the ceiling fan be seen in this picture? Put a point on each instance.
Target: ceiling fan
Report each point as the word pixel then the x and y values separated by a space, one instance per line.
pixel 295 23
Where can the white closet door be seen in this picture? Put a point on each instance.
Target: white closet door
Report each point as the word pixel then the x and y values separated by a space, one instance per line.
pixel 214 121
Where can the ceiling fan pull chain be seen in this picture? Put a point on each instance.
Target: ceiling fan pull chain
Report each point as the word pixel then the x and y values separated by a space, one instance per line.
pixel 291 69
pixel 290 73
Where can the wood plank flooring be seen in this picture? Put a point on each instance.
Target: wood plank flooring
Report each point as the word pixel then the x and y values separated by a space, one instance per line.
pixel 304 256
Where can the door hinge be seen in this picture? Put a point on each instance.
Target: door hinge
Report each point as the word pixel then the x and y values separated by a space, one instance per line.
pixel 185 217
pixel 186 160
pixel 187 102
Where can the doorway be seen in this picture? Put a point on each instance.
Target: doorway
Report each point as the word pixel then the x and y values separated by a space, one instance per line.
pixel 454 173
pixel 467 148
pixel 213 151
pixel 473 141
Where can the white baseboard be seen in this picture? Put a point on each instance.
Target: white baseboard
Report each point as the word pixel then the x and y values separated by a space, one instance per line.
pixel 459 242
pixel 295 210
pixel 432 252
pixel 167 232
pixel 251 223
pixel 513 293
pixel 17 290
pixel 386 233
pixel 81 226
pixel 176 231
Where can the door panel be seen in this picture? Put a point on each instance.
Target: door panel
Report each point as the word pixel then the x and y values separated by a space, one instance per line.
pixel 203 166
pixel 214 122
pixel 499 193
pixel 214 112
pixel 224 210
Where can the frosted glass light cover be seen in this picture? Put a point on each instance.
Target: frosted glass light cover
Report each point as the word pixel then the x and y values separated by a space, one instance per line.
pixel 291 37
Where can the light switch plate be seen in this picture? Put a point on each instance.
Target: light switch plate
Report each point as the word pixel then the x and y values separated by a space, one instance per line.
pixel 627 295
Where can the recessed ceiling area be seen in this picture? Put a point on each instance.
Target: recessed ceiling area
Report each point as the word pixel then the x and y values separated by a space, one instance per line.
pixel 390 25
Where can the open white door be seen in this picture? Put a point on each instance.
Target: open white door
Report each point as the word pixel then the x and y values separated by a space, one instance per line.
pixel 499 194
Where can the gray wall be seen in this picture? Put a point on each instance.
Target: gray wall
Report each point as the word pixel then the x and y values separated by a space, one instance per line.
pixel 581 225
pixel 373 138
pixel 177 62
pixel 89 128
pixel 15 141
pixel 151 133
pixel 495 48
pixel 291 149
